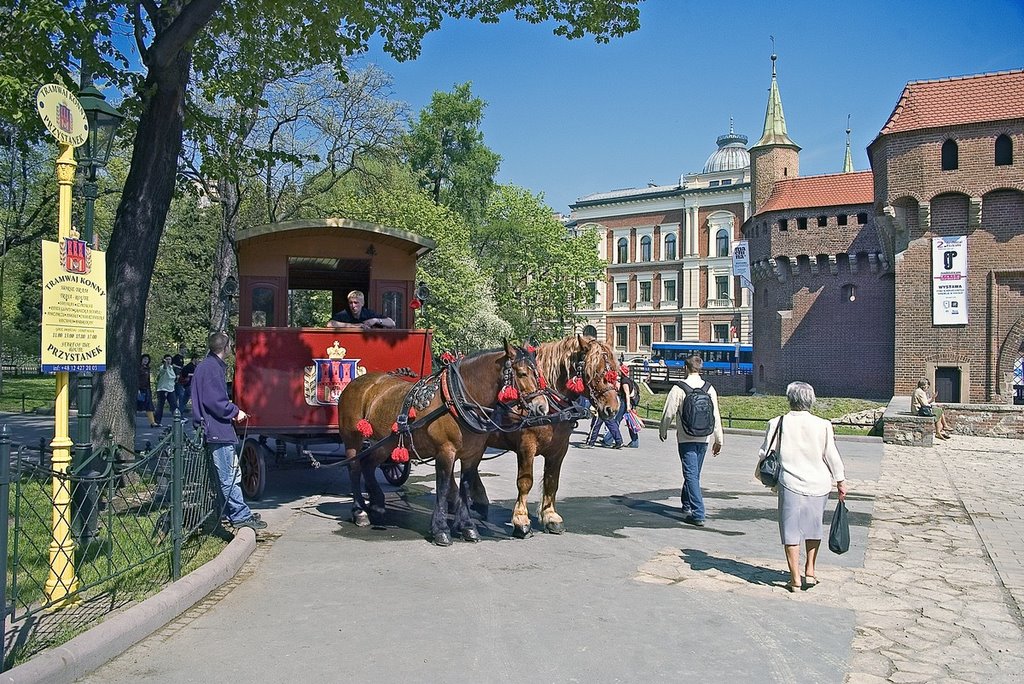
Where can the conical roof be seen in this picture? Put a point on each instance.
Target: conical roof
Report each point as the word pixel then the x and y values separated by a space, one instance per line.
pixel 774 120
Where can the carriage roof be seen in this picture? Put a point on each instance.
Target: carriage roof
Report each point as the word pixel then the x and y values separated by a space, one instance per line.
pixel 403 240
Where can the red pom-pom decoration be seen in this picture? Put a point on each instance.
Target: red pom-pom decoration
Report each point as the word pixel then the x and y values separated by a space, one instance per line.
pixel 575 384
pixel 624 369
pixel 508 393
pixel 541 382
pixel 415 304
pixel 399 454
pixel 394 426
pixel 364 427
pixel 412 413
pixel 530 348
pixel 610 376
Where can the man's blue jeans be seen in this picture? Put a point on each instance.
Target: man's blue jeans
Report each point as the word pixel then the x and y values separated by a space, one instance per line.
pixel 225 459
pixel 692 456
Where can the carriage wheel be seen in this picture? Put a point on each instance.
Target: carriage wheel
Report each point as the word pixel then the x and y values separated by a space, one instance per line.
pixel 254 469
pixel 396 473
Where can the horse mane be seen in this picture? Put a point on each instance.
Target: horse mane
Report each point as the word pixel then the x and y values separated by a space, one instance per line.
pixel 555 359
pixel 404 372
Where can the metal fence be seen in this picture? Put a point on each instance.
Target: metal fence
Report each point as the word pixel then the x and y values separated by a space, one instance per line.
pixel 130 515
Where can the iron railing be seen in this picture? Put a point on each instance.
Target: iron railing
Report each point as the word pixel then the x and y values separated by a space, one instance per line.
pixel 130 515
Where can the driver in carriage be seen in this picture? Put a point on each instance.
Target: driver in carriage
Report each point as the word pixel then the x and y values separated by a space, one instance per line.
pixel 356 315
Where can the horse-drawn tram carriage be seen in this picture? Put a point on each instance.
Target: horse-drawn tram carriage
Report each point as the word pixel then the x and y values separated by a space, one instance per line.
pixel 288 379
pixel 374 390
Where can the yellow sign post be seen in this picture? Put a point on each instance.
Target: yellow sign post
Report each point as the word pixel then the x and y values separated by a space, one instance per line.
pixel 65 119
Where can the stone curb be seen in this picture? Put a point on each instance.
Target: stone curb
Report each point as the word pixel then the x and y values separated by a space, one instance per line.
pixel 114 636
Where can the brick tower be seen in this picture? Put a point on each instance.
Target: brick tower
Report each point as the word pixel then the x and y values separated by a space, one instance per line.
pixel 774 156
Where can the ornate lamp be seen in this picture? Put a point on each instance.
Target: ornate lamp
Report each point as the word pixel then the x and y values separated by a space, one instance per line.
pixel 103 122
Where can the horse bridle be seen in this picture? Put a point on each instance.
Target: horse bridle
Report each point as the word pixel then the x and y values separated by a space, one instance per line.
pixel 509 378
pixel 592 394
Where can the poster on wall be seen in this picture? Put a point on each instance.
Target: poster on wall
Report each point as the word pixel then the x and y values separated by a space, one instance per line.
pixel 741 263
pixel 949 280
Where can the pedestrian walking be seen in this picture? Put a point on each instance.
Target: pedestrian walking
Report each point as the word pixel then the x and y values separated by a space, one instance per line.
pixel 693 405
pixel 180 390
pixel 144 401
pixel 809 463
pixel 166 378
pixel 215 412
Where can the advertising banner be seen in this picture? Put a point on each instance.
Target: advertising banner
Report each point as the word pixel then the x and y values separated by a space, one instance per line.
pixel 74 307
pixel 949 280
pixel 741 263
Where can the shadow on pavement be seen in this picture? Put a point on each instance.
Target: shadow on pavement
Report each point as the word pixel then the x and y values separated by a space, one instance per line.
pixel 755 574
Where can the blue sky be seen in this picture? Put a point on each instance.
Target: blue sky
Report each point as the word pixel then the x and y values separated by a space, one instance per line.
pixel 571 118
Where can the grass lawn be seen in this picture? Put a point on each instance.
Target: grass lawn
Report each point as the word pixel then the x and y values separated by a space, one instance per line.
pixel 755 411
pixel 35 390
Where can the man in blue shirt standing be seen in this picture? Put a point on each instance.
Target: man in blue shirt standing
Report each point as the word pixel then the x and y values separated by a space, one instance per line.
pixel 212 409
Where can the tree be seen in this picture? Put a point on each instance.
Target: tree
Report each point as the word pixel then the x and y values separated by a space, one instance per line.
pixel 537 268
pixel 277 149
pixel 178 41
pixel 460 310
pixel 445 145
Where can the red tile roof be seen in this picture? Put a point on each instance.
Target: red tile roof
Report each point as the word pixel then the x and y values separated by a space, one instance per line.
pixel 959 100
pixel 833 190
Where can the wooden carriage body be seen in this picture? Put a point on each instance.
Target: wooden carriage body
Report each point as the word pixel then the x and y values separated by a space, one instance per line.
pixel 289 378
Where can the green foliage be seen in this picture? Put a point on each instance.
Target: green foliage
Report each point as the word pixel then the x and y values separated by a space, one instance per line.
pixel 538 270
pixel 460 310
pixel 178 310
pixel 446 147
pixel 37 391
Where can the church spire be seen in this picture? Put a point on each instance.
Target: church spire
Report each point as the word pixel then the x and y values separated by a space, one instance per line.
pixel 774 120
pixel 848 162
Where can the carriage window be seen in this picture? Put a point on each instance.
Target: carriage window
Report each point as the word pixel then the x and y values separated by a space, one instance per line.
pixel 645 248
pixel 262 307
pixel 622 247
pixel 670 247
pixel 309 308
pixel 394 307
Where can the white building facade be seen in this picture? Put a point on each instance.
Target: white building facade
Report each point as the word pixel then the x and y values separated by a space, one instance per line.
pixel 669 253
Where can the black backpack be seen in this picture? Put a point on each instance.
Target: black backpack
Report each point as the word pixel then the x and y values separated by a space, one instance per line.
pixel 697 414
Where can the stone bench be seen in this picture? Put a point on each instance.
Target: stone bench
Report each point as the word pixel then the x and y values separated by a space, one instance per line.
pixel 900 426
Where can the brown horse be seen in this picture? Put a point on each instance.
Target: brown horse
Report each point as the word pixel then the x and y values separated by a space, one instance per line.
pixel 574 366
pixel 451 423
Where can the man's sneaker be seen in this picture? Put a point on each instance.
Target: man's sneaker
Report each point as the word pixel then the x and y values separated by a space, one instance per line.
pixel 690 520
pixel 252 521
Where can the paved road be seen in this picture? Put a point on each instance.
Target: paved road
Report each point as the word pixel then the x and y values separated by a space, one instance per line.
pixel 931 589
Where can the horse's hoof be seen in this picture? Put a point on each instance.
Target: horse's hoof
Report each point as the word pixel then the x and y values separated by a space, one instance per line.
pixel 442 539
pixel 361 519
pixel 522 531
pixel 470 534
pixel 554 528
pixel 481 510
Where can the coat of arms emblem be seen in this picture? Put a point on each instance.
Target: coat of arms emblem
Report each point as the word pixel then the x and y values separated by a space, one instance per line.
pixel 324 381
pixel 75 254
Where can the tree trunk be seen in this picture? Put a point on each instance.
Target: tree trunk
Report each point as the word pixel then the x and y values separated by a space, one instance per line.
pixel 226 262
pixel 134 242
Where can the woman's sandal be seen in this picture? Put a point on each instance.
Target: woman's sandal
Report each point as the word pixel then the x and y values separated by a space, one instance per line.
pixel 810 581
pixel 792 588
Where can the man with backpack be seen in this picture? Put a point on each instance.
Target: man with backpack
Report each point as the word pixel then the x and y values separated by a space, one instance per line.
pixel 693 405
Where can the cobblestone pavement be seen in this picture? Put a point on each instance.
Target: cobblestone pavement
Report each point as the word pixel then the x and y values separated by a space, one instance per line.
pixel 940 594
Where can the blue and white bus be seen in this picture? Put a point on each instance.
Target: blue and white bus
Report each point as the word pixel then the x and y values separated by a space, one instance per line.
pixel 716 355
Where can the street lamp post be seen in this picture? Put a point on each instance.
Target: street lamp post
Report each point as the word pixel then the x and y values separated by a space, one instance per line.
pixel 95 153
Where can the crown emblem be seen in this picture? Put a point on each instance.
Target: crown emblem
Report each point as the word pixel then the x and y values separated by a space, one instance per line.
pixel 336 351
